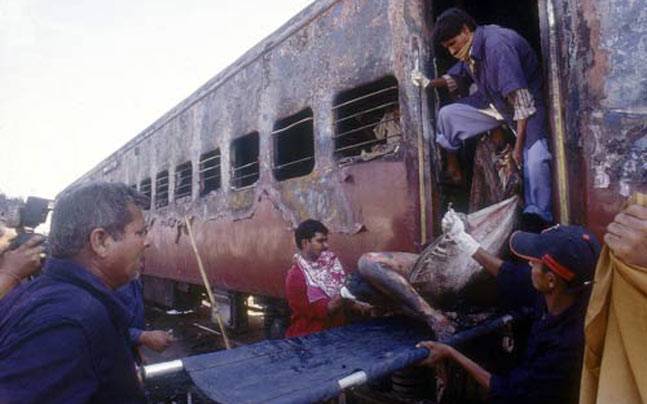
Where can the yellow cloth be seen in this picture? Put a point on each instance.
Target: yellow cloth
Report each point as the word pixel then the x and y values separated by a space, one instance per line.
pixel 615 355
pixel 464 52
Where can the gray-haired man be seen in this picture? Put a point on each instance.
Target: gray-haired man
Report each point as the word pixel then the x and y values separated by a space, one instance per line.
pixel 64 336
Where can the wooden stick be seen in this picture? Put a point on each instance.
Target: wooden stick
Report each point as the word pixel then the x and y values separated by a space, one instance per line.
pixel 214 304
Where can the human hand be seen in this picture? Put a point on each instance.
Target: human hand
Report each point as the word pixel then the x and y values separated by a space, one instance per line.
pixel 25 260
pixel 7 234
pixel 454 229
pixel 452 223
pixel 362 309
pixel 335 304
pixel 419 79
pixel 627 235
pixel 156 340
pixel 437 352
pixel 439 82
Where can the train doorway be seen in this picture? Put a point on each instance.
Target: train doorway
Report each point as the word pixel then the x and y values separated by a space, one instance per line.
pixel 522 16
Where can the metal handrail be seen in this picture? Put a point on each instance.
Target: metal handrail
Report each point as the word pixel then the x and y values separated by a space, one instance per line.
pixel 293 162
pixel 356 145
pixel 277 131
pixel 364 97
pixel 234 169
pixel 366 111
pixel 348 132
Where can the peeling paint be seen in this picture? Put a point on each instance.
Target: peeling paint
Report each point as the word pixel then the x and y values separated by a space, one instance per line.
pixel 373 203
pixel 365 201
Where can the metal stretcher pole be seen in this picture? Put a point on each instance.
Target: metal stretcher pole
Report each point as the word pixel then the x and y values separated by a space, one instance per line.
pixel 360 377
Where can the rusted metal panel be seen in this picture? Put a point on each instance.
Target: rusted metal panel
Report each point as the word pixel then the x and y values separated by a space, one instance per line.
pixel 602 52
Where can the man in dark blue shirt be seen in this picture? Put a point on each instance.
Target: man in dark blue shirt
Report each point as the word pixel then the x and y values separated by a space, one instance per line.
pixel 64 336
pixel 132 297
pixel 555 285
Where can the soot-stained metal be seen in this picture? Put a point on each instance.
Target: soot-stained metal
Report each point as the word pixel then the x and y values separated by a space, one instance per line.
pixel 604 82
pixel 336 53
pixel 245 233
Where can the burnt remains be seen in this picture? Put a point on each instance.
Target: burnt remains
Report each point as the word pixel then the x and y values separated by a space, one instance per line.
pixel 294 146
pixel 244 160
pixel 367 117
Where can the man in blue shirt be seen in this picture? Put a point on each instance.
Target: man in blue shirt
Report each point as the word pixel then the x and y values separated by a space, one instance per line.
pixel 555 284
pixel 64 336
pixel 499 80
pixel 132 297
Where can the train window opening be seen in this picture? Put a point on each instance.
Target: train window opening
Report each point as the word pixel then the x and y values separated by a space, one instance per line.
pixel 134 187
pixel 145 189
pixel 244 160
pixel 183 180
pixel 367 119
pixel 294 147
pixel 521 16
pixel 161 189
pixel 209 171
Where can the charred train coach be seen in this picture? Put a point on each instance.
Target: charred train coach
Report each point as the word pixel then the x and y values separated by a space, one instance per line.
pixel 321 119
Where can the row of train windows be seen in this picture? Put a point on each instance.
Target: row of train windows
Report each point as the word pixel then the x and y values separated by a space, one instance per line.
pixel 366 120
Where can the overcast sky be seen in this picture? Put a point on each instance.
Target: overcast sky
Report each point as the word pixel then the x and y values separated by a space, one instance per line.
pixel 79 78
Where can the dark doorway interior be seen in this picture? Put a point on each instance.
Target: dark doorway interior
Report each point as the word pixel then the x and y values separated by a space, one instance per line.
pixel 521 16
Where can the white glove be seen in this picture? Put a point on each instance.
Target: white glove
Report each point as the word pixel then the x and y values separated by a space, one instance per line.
pixel 466 243
pixel 454 229
pixel 451 223
pixel 346 294
pixel 419 79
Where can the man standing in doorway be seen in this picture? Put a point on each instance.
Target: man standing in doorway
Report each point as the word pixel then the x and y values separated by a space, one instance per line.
pixel 499 80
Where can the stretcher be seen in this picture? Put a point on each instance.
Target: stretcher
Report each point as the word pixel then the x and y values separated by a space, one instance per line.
pixel 315 367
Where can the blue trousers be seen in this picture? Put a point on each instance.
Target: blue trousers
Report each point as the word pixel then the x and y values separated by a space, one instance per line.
pixel 459 122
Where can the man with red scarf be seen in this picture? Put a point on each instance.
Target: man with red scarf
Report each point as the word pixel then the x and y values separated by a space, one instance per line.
pixel 313 283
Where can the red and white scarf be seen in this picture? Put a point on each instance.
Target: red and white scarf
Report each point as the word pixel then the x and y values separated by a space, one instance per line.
pixel 324 277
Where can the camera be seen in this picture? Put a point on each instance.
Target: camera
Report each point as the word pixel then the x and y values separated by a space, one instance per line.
pixel 25 216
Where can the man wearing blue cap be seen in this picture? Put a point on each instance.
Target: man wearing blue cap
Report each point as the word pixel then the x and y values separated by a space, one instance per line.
pixel 555 283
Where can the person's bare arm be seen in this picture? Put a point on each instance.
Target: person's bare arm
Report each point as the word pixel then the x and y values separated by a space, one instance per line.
pixel 15 265
pixel 627 235
pixel 524 107
pixel 438 83
pixel 491 263
pixel 439 351
pixel 156 340
pixel 517 152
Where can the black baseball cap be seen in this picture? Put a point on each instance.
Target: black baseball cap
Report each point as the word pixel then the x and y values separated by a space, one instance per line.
pixel 571 252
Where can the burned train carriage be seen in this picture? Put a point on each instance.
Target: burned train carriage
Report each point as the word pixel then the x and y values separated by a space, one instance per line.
pixel 312 122
pixel 322 120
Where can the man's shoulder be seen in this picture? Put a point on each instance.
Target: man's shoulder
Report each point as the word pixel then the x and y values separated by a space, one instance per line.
pixel 46 302
pixel 493 36
pixel 294 273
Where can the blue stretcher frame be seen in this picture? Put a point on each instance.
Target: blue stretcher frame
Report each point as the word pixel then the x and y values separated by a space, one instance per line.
pixel 319 366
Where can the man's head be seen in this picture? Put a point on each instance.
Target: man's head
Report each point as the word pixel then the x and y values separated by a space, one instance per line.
pixel 561 256
pixel 311 237
pixel 101 225
pixel 453 30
